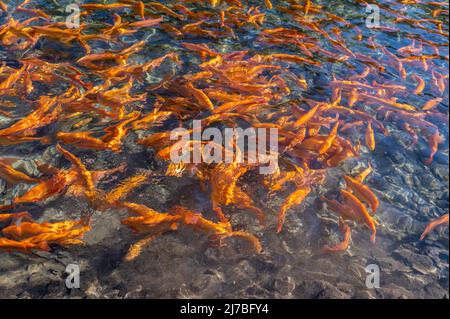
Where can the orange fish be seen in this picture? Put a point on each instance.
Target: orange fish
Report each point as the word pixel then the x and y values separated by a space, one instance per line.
pixel 304 118
pixel 362 192
pixel 370 137
pixel 141 9
pixel 13 176
pixel 307 6
pixel 387 102
pixel 343 245
pixel 362 176
pixel 64 233
pixel 201 97
pixel 411 49
pixel 84 175
pixel 430 104
pixel 46 113
pixel 219 230
pixel 149 220
pixel 202 49
pixel 12 78
pixel 11 245
pixel 438 82
pixel 115 133
pixel 330 139
pixel 136 249
pixel 361 210
pixel 125 187
pixel 82 140
pixel 91 61
pixel 353 98
pixel 225 191
pixel 60 182
pixel 171 29
pixel 99 6
pixel 12 140
pixel 15 216
pixel 162 8
pixel 3 6
pixel 344 211
pixel 433 141
pixel 420 84
pixel 290 58
pixel 432 225
pixel 294 199
pixel 145 23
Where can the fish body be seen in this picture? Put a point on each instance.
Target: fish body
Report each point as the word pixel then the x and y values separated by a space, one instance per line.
pixel 13 176
pixel 294 199
pixel 363 192
pixel 343 245
pixel 356 204
pixel 370 137
pixel 443 220
pixel 330 139
pixel 420 84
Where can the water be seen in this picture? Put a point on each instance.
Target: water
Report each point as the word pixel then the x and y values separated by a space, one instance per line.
pixel 185 263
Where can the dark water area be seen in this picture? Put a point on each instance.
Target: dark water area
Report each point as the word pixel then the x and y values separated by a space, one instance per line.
pixel 186 262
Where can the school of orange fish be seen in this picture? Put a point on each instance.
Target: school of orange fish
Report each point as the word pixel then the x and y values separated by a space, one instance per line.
pixel 104 98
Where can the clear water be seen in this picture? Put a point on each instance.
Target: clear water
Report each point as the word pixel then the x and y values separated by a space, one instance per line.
pixel 183 263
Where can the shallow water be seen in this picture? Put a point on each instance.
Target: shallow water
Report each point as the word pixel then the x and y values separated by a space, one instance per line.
pixel 184 263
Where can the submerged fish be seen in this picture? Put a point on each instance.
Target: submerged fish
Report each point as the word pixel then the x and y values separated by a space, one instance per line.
pixel 322 82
